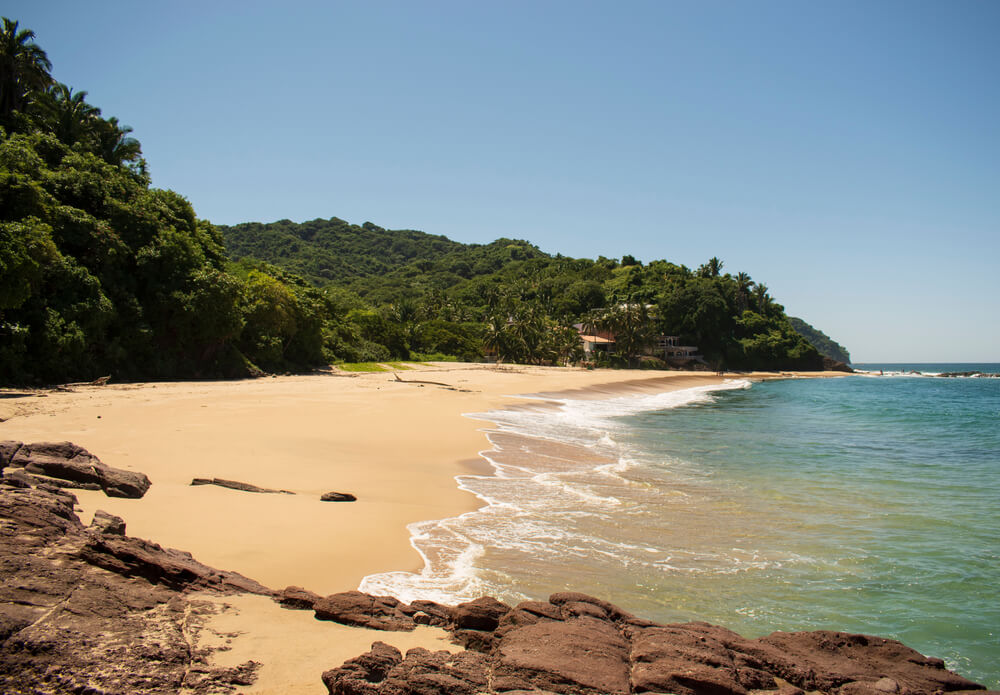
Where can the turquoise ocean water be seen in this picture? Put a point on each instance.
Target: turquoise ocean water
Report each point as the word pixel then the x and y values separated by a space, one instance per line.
pixel 861 503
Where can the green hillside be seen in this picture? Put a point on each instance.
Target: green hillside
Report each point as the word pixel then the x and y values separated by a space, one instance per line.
pixel 511 299
pixel 821 341
pixel 325 251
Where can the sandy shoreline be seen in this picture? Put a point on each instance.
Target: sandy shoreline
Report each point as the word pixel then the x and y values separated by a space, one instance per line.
pixel 396 446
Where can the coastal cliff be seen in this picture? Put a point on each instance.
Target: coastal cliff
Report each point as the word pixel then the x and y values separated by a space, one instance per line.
pixel 90 609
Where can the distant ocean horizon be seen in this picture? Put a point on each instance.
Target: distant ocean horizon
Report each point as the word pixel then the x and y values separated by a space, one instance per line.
pixel 929 368
pixel 862 503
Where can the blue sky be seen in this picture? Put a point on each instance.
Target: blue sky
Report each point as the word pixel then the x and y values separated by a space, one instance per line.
pixel 846 154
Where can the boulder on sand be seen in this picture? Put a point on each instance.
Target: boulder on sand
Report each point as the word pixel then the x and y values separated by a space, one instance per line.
pixel 67 465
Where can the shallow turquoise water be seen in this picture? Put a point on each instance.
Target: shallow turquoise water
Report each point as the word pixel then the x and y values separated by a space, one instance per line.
pixel 867 504
pixel 885 491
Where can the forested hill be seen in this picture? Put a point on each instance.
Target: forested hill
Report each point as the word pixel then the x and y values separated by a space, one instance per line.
pixel 514 300
pixel 821 341
pixel 103 275
pixel 325 251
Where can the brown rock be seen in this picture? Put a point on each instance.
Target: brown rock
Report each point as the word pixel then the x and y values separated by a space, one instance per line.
pixel 482 614
pixel 67 626
pixel 578 644
pixel 422 672
pixel 174 569
pixel 825 660
pixel 356 608
pixel 474 640
pixel 337 497
pixel 431 613
pixel 108 523
pixel 527 613
pixel 686 661
pixel 17 478
pixel 362 674
pixel 832 365
pixel 65 463
pixel 7 450
pixel 570 603
pixel 297 598
pixel 582 655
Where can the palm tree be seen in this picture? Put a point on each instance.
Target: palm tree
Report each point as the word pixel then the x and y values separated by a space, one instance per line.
pixel 70 117
pixel 743 286
pixel 527 329
pixel 24 69
pixel 762 298
pixel 712 269
pixel 496 337
pixel 114 144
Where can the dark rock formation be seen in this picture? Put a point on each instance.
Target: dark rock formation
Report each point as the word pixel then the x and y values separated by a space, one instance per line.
pixel 423 672
pixel 7 451
pixel 431 613
pixel 577 644
pixel 356 608
pixel 64 464
pixel 482 614
pixel 983 375
pixel 832 365
pixel 82 611
pixel 338 497
pixel 237 485
pixel 108 523
pixel 297 598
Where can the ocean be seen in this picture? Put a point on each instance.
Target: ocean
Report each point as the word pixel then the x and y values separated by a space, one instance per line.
pixel 862 503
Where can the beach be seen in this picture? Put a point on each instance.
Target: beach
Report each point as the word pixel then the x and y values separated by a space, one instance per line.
pixel 395 444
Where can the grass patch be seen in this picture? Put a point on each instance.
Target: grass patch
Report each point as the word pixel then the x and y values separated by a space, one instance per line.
pixel 361 367
pixel 397 365
pixel 423 358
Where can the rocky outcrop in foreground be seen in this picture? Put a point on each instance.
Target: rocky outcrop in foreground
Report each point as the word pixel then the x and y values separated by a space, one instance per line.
pixel 63 464
pixel 90 610
pixel 578 644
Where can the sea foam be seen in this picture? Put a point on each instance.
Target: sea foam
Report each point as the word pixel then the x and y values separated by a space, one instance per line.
pixel 559 477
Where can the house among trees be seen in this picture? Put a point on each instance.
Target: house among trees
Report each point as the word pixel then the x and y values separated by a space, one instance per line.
pixel 595 341
pixel 666 347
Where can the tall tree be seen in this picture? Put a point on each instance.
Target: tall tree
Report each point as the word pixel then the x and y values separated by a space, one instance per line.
pixel 763 299
pixel 24 69
pixel 115 146
pixel 743 286
pixel 68 115
pixel 712 269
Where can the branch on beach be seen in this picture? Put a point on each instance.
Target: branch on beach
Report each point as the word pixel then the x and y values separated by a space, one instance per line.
pixel 432 383
pixel 237 485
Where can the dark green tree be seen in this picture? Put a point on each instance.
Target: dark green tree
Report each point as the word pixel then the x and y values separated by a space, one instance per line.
pixel 24 70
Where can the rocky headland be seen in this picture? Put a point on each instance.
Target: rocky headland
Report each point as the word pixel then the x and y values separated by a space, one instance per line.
pixel 92 610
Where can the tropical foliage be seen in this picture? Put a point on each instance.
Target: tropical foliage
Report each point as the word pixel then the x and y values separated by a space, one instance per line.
pixel 510 300
pixel 100 274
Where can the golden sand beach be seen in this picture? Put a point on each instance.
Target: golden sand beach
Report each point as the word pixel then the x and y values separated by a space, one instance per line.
pixel 396 445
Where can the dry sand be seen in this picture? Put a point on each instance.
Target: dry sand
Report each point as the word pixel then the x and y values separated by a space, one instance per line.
pixel 396 446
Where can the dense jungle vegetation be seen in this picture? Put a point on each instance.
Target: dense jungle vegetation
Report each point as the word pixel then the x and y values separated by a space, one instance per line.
pixel 102 274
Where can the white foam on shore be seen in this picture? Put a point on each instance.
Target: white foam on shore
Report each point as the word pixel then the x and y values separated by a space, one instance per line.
pixel 540 507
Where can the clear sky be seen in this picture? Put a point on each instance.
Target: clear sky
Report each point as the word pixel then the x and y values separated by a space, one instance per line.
pixel 846 154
